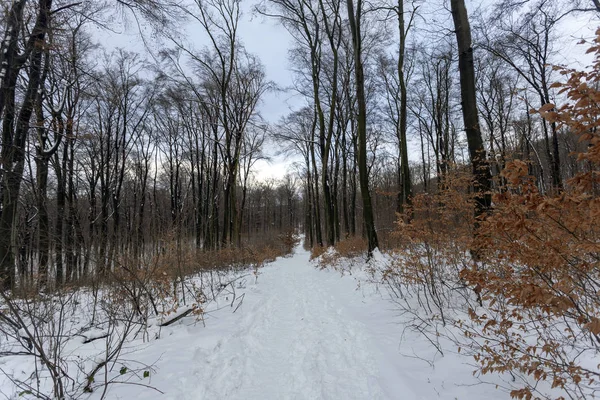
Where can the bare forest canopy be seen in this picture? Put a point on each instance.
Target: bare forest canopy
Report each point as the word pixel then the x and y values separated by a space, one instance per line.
pixel 113 157
pixel 461 137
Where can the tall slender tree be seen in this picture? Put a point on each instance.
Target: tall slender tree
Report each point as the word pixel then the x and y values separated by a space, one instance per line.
pixel 466 66
pixel 354 18
pixel 15 120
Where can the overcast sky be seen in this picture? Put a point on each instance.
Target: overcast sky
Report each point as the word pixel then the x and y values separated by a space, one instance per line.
pixel 271 43
pixel 262 37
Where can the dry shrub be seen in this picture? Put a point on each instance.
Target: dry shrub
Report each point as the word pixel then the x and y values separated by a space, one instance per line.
pixel 352 247
pixel 537 279
pixel 433 245
pixel 288 240
pixel 540 283
pixel 153 287
pixel 540 275
pixel 348 249
pixel 317 252
pixel 183 260
pixel 446 214
pixel 160 284
pixel 433 241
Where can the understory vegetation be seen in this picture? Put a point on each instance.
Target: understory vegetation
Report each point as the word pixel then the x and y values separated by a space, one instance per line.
pixel 440 148
pixel 83 338
pixel 520 292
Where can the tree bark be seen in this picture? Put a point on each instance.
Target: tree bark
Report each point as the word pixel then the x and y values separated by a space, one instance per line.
pixel 15 130
pixel 404 197
pixel 481 172
pixel 369 220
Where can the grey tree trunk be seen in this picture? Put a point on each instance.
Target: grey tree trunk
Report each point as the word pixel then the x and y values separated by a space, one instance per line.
pixel 15 126
pixel 404 197
pixel 369 220
pixel 481 172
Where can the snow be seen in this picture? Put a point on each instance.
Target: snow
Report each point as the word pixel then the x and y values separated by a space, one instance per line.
pixel 298 332
pixel 169 316
pixel 304 333
pixel 94 334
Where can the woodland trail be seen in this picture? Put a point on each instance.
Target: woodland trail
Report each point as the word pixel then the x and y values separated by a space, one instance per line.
pixel 302 333
pixel 296 342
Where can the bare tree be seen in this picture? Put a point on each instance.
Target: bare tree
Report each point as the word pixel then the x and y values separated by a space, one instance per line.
pixel 355 17
pixel 525 44
pixel 395 76
pixel 477 153
pixel 21 52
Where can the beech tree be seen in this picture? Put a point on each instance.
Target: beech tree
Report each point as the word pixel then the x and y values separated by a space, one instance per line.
pixel 395 76
pixel 114 159
pixel 466 68
pixel 317 30
pixel 526 45
pixel 17 59
pixel 354 17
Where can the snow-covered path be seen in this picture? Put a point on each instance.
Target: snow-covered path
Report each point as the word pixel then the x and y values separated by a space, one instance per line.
pixel 296 342
pixel 300 333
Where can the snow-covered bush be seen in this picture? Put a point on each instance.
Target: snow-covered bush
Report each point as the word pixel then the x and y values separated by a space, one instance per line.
pixel 523 289
pixel 540 278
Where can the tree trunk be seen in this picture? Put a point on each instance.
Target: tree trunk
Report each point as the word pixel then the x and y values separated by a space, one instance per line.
pixel 404 197
pixel 466 68
pixel 316 200
pixel 14 137
pixel 362 126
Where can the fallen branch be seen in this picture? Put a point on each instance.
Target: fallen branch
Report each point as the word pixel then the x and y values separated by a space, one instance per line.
pixel 92 338
pixel 176 318
pixel 240 302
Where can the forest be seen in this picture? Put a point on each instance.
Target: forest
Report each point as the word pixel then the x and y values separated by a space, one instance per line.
pixel 457 142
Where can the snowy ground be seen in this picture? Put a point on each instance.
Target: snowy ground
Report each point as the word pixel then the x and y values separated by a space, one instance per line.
pixel 302 333
pixel 299 333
